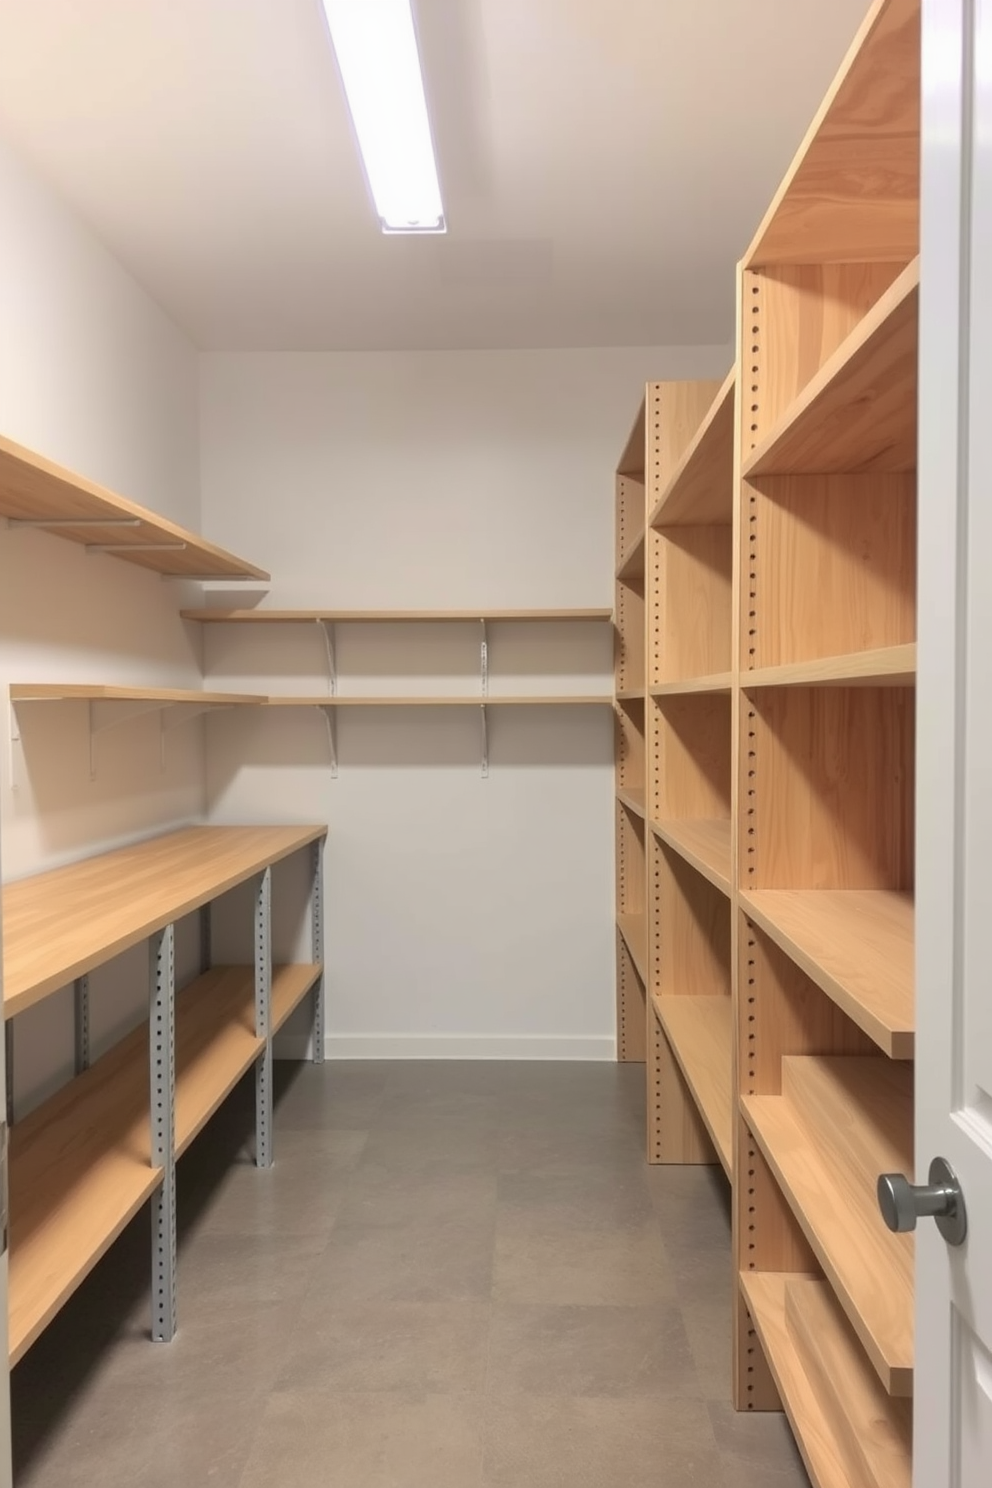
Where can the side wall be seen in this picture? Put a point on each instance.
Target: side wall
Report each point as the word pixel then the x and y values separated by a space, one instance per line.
pixel 93 375
pixel 465 916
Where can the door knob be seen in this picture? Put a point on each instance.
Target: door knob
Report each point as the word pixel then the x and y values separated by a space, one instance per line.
pixel 902 1203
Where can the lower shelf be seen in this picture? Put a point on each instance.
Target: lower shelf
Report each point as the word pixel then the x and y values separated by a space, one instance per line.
pixel 634 929
pixel 699 1031
pixel 80 1165
pixel 703 843
pixel 851 1434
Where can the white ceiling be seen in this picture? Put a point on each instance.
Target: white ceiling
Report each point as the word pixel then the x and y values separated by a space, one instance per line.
pixel 603 162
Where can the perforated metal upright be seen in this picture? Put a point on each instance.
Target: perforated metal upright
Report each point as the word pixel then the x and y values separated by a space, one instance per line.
pixel 263 1021
pixel 162 1057
pixel 317 947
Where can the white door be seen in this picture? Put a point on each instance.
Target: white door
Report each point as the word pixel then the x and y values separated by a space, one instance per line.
pixel 953 1377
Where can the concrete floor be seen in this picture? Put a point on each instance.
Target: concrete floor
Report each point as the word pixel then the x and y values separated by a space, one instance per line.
pixel 456 1276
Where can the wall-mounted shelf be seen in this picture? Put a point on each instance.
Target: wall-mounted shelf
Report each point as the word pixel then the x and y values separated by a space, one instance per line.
pixel 490 700
pixel 699 492
pixel 384 617
pixel 36 493
pixel 838 1123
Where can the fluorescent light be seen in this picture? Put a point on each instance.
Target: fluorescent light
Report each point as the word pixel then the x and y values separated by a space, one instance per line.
pixel 376 48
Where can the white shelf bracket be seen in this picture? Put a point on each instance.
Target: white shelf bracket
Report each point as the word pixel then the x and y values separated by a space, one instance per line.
pixel 484 671
pixel 328 632
pixel 330 720
pixel 484 659
pixel 174 715
pixel 16 755
pixel 485 742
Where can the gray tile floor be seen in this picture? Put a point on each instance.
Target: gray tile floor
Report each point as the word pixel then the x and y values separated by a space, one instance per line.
pixel 456 1276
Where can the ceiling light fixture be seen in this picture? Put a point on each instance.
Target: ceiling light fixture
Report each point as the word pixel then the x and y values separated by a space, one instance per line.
pixel 376 47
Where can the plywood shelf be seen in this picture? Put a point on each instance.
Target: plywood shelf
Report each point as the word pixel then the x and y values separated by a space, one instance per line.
pixel 541 700
pixel 859 411
pixel 703 843
pixel 700 491
pixel 715 682
pixel 633 928
pixel 838 1123
pixel 36 492
pixel 849 1431
pixel 60 924
pixel 855 944
pixel 631 564
pixel 62 692
pixel 885 666
pixel 633 797
pixel 699 1030
pixel 386 617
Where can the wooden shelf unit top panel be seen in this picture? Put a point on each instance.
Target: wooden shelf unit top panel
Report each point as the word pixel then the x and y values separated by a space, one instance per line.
pixel 885 666
pixel 35 490
pixel 544 700
pixel 852 191
pixel 857 945
pixel 839 1122
pixel 633 797
pixel 699 1031
pixel 859 411
pixel 700 491
pixel 634 929
pixel 848 1430
pixel 385 617
pixel 40 692
pixel 62 923
pixel 79 1171
pixel 704 844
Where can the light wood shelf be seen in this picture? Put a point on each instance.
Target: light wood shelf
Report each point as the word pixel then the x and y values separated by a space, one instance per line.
pixel 36 492
pixel 217 616
pixel 80 1163
pixel 62 692
pixel 712 682
pixel 631 564
pixel 857 945
pixel 851 1434
pixel 633 797
pixel 633 928
pixel 859 411
pixel 838 1123
pixel 699 492
pixel 699 1030
pixel 489 700
pixel 60 924
pixel 885 666
pixel 703 843
pixel 630 695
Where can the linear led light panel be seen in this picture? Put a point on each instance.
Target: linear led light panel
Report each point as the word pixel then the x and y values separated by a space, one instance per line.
pixel 376 47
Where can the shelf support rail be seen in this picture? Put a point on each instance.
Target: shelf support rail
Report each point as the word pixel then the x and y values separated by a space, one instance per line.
pixel 484 670
pixel 81 1011
pixel 162 1055
pixel 329 633
pixel 263 1023
pixel 317 949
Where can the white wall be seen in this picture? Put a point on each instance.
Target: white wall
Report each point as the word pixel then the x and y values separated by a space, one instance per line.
pixel 93 375
pixel 465 916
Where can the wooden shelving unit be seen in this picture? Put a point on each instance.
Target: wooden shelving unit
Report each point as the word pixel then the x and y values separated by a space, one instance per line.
pixel 82 1164
pixel 35 492
pixel 822 704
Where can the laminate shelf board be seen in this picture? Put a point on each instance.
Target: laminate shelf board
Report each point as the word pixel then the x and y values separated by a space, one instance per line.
pixel 703 843
pixel 81 1163
pixel 859 411
pixel 700 492
pixel 633 797
pixel 857 945
pixel 489 701
pixel 886 666
pixel 850 1433
pixel 384 617
pixel 630 695
pixel 60 924
pixel 822 212
pixel 36 492
pixel 700 1033
pixel 631 565
pixel 634 929
pixel 62 692
pixel 839 1122
pixel 715 682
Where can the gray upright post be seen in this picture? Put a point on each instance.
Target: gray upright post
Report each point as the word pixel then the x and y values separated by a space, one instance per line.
pixel 81 1006
pixel 317 948
pixel 162 1051
pixel 263 1027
